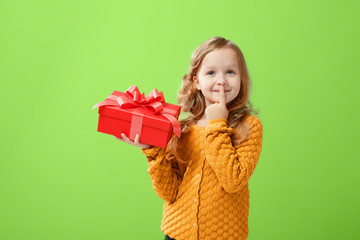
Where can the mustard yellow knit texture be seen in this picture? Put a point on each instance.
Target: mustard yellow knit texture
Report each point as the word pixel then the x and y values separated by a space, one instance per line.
pixel 211 199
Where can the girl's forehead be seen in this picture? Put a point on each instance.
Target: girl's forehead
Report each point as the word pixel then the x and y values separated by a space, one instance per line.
pixel 222 56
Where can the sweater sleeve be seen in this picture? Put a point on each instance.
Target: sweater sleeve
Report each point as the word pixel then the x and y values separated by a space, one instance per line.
pixel 233 166
pixel 164 172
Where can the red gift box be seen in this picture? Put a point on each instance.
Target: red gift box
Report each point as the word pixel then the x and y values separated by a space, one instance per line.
pixel 132 113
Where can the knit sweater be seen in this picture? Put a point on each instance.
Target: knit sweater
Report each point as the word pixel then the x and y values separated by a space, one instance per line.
pixel 211 199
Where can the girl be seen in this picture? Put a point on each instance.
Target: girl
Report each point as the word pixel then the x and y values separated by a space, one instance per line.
pixel 203 176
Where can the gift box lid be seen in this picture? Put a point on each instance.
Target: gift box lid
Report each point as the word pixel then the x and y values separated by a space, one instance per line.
pixel 150 119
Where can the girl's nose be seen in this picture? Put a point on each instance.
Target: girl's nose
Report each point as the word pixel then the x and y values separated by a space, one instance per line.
pixel 221 81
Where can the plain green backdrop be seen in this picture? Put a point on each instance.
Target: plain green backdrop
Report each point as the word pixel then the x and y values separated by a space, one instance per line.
pixel 60 179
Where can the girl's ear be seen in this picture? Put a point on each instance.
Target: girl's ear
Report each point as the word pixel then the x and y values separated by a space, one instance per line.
pixel 196 82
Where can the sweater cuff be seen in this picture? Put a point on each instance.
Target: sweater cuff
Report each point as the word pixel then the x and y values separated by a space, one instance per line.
pixel 218 120
pixel 151 152
pixel 218 125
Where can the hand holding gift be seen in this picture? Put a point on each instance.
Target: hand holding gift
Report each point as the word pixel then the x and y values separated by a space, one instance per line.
pixel 131 113
pixel 134 143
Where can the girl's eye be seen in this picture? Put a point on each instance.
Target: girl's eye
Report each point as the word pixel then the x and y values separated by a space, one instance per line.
pixel 230 72
pixel 211 73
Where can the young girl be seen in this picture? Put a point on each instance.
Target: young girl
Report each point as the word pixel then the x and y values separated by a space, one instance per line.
pixel 203 176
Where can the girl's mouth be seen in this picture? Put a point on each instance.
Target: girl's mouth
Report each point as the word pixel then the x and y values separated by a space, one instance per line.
pixel 219 91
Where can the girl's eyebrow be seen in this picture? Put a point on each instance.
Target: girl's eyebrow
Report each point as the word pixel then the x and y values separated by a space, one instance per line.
pixel 209 67
pixel 232 66
pixel 214 67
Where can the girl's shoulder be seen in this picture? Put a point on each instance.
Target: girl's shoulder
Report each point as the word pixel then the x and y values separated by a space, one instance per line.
pixel 254 125
pixel 250 127
pixel 252 120
pixel 251 123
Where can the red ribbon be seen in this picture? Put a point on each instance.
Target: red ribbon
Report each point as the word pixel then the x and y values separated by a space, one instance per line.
pixel 153 102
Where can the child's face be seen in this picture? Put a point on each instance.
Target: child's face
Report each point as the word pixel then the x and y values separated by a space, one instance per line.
pixel 219 67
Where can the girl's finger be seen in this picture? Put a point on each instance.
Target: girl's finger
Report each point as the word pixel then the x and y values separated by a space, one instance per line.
pixel 126 139
pixel 222 95
pixel 136 140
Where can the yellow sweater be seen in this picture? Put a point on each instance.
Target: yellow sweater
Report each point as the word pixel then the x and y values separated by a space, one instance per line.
pixel 211 200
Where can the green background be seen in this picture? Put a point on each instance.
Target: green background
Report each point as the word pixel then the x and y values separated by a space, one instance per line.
pixel 61 180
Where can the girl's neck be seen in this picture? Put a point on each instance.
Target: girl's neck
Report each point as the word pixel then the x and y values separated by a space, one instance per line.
pixel 202 122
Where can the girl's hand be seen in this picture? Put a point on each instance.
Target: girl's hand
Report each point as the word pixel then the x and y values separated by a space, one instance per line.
pixel 135 142
pixel 217 110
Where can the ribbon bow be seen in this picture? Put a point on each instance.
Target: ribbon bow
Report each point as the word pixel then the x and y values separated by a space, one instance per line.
pixel 132 98
pixel 153 102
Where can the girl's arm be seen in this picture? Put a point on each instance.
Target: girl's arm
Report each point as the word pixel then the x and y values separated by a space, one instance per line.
pixel 233 165
pixel 164 172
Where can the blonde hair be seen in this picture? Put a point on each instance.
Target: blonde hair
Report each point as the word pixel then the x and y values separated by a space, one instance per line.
pixel 192 101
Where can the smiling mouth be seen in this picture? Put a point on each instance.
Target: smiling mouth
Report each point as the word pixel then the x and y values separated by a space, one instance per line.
pixel 219 91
